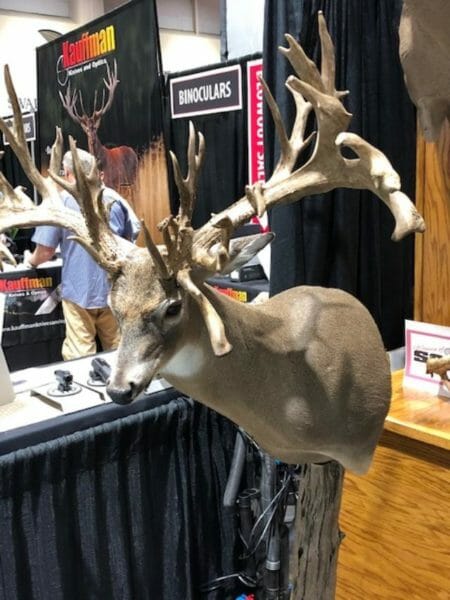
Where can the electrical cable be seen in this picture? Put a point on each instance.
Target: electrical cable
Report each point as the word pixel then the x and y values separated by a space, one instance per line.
pixel 253 544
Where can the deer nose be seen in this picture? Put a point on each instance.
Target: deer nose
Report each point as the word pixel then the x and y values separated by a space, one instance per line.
pixel 121 395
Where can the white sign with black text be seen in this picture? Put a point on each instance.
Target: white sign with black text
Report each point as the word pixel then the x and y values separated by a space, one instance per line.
pixel 29 127
pixel 217 90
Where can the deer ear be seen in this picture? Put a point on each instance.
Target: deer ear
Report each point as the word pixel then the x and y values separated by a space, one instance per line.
pixel 243 249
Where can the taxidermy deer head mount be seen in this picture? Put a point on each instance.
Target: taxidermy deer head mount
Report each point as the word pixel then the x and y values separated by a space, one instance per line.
pixel 425 57
pixel 305 373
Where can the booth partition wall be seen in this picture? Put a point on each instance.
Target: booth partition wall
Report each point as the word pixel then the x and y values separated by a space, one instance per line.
pixel 224 125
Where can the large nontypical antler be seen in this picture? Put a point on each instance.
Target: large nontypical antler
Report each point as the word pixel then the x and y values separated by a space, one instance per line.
pixel 178 234
pixel 325 170
pixel 90 228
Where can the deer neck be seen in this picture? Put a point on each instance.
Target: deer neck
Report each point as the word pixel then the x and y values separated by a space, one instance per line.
pixel 190 364
pixel 95 147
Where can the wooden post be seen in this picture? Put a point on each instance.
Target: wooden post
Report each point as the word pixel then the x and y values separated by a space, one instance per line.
pixel 313 558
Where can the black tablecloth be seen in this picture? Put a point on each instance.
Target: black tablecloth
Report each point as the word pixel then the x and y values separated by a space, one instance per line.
pixel 119 503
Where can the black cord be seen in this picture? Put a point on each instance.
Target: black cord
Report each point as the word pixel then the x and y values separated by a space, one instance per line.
pixel 219 582
pixel 275 503
pixel 253 544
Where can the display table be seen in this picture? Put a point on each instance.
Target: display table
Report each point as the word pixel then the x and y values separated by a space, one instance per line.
pixel 116 502
pixel 397 517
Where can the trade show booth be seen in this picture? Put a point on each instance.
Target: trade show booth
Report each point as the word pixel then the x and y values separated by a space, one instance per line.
pixel 253 434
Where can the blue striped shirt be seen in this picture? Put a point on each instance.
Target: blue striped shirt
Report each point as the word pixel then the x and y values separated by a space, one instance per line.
pixel 82 280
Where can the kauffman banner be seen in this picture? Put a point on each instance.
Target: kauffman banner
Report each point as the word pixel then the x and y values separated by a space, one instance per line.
pixel 101 83
pixel 218 90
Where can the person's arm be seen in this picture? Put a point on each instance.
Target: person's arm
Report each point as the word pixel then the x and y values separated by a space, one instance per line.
pixel 117 218
pixel 47 238
pixel 40 254
pixel 122 219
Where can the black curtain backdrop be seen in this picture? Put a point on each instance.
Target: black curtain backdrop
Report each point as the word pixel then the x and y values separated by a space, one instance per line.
pixel 127 510
pixel 225 171
pixel 342 239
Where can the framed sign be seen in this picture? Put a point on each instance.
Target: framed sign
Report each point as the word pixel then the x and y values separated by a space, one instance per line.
pixel 424 341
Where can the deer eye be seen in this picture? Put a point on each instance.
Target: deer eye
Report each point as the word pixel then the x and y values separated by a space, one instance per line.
pixel 173 310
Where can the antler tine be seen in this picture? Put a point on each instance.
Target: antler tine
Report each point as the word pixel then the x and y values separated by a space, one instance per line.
pixel 17 210
pixel 80 95
pixel 213 322
pixel 158 260
pixel 69 102
pixel 187 186
pixel 16 139
pixel 291 147
pixel 328 62
pixel 56 152
pixel 111 82
pixel 6 256
pixel 87 190
pixel 326 168
pixel 94 106
pixel 302 65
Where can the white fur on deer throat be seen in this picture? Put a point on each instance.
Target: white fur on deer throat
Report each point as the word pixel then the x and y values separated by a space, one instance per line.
pixel 186 363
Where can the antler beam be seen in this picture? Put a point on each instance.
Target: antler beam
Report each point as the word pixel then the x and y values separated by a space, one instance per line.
pixel 327 168
pixel 90 228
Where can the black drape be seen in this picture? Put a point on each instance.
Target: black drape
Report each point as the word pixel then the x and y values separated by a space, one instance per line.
pixel 224 172
pixel 127 510
pixel 342 239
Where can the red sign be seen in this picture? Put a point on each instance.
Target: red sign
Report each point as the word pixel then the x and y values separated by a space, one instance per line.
pixel 255 122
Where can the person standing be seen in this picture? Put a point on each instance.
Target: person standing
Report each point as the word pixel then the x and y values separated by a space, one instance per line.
pixel 84 285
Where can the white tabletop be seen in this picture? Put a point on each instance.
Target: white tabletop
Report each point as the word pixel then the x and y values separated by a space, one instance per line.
pixel 27 408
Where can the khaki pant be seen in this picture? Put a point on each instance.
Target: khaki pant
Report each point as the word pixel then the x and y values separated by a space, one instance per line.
pixel 83 325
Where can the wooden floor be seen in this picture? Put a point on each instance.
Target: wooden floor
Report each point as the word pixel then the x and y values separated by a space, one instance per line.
pixel 397 517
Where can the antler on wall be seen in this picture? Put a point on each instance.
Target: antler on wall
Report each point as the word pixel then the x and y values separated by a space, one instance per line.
pixel 70 99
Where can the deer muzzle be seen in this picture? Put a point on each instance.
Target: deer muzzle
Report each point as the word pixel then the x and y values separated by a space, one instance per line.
pixel 121 395
pixel 132 374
